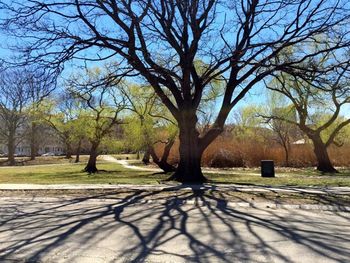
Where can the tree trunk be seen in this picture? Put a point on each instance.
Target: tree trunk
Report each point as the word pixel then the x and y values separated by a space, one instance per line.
pixel 287 158
pixel 286 148
pixel 146 156
pixel 162 163
pixel 91 165
pixel 11 147
pixel 189 167
pixel 324 164
pixel 33 143
pixel 68 150
pixel 167 149
pixel 77 156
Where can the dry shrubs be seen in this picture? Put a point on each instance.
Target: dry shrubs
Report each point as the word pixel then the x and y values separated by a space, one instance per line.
pixel 231 152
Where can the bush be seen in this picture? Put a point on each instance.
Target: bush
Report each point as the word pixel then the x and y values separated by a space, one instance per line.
pixel 225 158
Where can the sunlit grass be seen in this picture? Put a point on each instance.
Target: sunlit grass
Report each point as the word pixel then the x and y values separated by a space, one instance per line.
pixel 112 173
pixel 73 174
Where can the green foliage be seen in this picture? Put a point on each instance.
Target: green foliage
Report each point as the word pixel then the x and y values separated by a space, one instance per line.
pixel 249 124
pixel 149 118
pixel 110 144
pixel 320 118
pixel 133 134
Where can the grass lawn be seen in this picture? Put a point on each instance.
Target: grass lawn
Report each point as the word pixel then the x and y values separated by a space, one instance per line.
pixel 287 177
pixel 73 174
pixel 116 174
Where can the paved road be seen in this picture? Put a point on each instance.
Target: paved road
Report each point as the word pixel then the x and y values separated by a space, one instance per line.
pixel 91 230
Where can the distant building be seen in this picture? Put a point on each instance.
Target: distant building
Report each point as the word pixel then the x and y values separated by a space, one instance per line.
pixel 300 142
pixel 47 140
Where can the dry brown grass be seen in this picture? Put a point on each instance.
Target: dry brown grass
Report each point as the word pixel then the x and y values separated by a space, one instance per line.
pixel 231 152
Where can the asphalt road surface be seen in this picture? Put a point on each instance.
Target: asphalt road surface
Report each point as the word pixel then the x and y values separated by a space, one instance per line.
pixel 107 230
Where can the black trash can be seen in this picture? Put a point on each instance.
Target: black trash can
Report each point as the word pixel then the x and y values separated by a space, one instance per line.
pixel 267 168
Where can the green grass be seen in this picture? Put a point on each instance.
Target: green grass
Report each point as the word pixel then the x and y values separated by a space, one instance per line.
pixel 116 174
pixel 73 174
pixel 293 178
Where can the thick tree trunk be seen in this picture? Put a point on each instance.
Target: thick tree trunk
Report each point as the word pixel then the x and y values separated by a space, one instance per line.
pixel 11 147
pixel 324 163
pixel 77 156
pixel 189 167
pixel 91 165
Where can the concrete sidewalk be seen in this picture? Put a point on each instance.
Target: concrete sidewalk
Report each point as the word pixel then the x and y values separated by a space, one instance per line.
pixel 175 186
pixel 37 191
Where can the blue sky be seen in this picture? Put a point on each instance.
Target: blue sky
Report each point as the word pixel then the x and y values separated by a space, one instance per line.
pixel 255 96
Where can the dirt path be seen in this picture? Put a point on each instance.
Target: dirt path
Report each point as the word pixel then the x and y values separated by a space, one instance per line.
pixel 126 164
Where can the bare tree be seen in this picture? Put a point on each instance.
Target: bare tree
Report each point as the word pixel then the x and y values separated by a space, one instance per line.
pixel 40 86
pixel 20 91
pixel 161 39
pixel 13 100
pixel 285 132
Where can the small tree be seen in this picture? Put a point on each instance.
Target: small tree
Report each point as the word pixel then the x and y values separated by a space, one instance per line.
pixel 65 115
pixel 285 132
pixel 103 102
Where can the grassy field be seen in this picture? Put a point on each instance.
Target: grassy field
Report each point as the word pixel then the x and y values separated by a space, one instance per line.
pixel 73 174
pixel 69 173
pixel 287 177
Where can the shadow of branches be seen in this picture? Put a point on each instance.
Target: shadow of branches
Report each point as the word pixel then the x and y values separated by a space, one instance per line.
pixel 144 226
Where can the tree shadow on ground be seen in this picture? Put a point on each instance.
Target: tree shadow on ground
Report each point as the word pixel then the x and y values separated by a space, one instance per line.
pixel 143 226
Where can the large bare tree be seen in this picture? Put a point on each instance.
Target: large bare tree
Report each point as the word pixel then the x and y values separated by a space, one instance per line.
pixel 162 39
